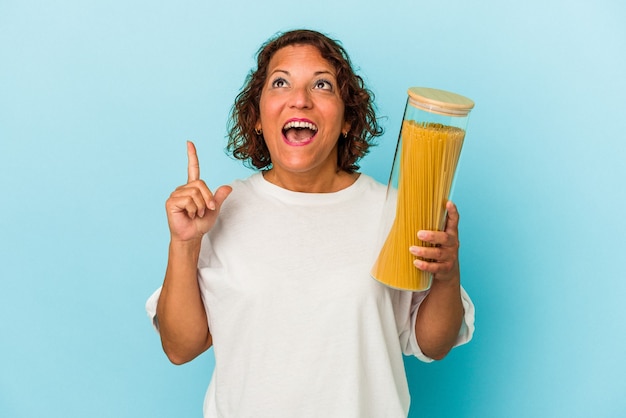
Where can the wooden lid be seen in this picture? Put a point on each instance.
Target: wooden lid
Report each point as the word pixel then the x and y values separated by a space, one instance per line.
pixel 440 101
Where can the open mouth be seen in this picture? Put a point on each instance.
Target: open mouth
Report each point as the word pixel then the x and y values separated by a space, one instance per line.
pixel 299 132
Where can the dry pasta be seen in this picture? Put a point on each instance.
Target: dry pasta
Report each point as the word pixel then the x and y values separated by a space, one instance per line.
pixel 428 158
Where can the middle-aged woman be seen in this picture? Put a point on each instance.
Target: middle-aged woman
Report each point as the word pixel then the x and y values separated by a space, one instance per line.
pixel 273 271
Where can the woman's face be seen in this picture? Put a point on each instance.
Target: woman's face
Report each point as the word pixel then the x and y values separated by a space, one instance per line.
pixel 302 114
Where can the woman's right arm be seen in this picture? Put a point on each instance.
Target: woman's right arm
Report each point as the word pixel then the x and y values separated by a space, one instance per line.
pixel 191 212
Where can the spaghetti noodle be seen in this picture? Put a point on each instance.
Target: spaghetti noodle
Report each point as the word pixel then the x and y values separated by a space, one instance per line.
pixel 428 158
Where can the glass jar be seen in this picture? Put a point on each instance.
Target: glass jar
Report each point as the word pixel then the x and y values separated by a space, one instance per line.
pixel 421 181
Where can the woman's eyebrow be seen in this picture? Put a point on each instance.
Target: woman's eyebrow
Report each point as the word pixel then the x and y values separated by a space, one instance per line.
pixel 278 70
pixel 321 72
pixel 316 73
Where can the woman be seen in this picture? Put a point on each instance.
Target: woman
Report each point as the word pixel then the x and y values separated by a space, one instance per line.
pixel 273 271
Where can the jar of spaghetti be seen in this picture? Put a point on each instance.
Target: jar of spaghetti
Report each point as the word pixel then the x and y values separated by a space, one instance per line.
pixel 421 181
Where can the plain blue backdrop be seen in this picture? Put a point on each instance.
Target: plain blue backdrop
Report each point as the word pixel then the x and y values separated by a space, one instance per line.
pixel 98 97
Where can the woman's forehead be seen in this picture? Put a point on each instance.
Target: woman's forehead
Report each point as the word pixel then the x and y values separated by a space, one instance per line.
pixel 300 56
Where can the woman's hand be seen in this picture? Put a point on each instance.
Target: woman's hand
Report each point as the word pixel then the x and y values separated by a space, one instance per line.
pixel 441 312
pixel 191 212
pixel 192 209
pixel 443 256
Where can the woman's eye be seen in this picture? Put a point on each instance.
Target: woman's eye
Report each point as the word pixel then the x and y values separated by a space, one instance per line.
pixel 279 82
pixel 323 85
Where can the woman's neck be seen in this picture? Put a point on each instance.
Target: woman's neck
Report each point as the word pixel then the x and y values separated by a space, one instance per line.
pixel 311 182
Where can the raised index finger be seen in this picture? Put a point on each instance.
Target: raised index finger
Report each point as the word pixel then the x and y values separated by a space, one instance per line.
pixel 193 165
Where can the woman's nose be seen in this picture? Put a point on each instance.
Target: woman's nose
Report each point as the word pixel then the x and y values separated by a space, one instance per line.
pixel 301 98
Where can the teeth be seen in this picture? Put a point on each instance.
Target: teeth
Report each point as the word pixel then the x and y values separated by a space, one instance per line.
pixel 300 125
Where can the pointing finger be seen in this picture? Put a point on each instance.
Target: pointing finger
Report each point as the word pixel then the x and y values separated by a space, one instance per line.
pixel 193 165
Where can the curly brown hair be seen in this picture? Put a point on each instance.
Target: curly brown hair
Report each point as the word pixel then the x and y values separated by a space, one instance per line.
pixel 246 145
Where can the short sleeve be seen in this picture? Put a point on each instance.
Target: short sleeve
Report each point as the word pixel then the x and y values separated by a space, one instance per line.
pixel 151 307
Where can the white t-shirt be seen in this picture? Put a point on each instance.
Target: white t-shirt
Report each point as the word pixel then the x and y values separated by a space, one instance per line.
pixel 299 327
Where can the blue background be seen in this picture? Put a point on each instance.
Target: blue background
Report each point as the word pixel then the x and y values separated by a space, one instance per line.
pixel 98 97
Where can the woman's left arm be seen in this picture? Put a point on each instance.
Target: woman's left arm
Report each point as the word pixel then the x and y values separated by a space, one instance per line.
pixel 441 313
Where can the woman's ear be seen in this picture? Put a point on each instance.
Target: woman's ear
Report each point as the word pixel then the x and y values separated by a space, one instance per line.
pixel 346 128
